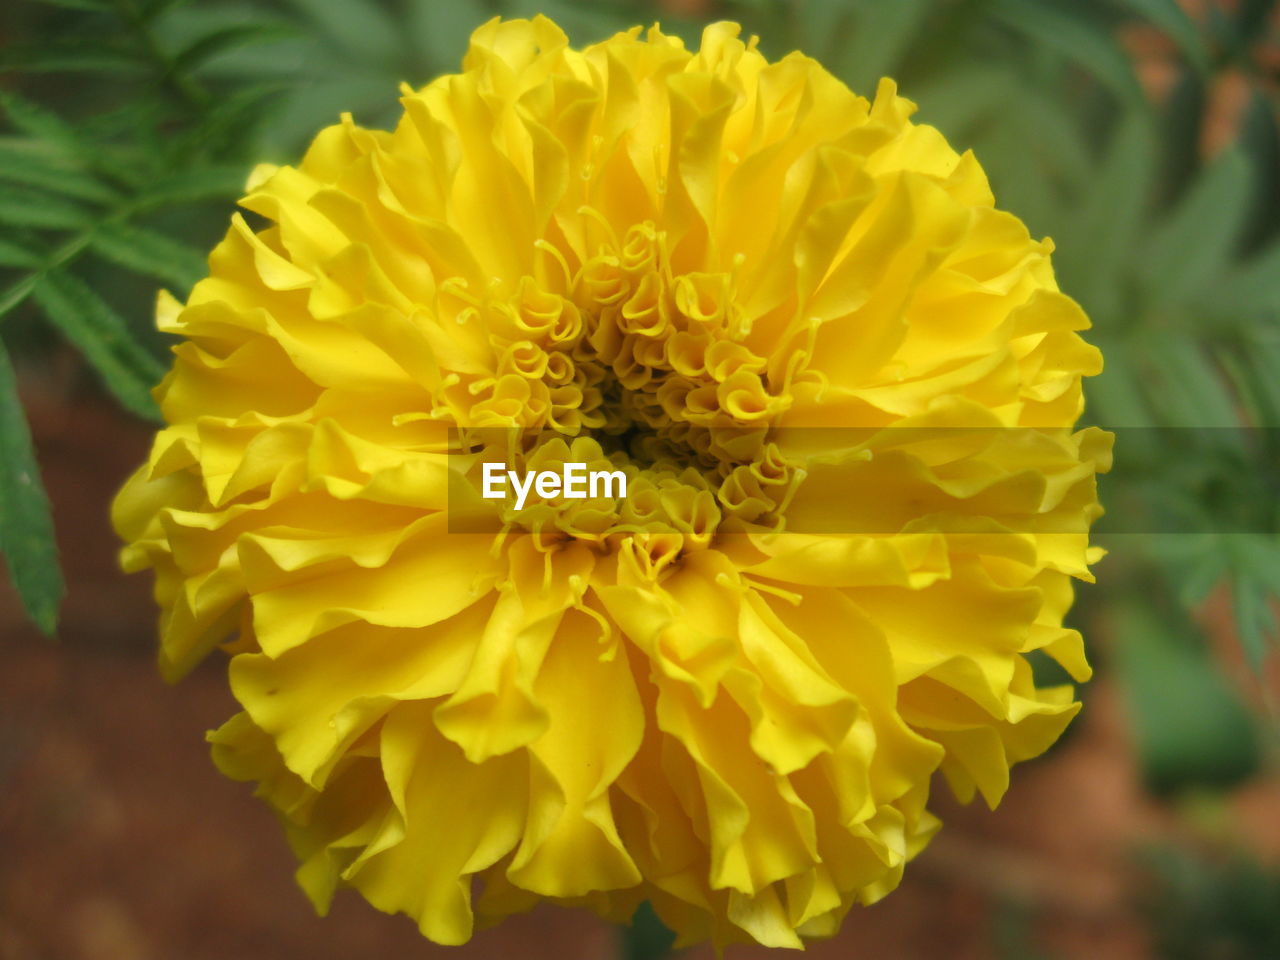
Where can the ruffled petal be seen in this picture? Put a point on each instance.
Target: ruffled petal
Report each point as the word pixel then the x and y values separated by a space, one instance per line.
pixel 831 390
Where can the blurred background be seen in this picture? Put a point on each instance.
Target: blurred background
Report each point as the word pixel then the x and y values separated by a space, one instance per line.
pixel 1141 135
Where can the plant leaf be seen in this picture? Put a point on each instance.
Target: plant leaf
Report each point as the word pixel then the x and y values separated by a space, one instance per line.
pixel 1254 285
pixel 440 30
pixel 85 319
pixel 42 125
pixel 1111 215
pixel 69 58
pixel 228 121
pixel 17 256
pixel 54 133
pixel 24 207
pixel 1190 726
pixel 89 6
pixel 1265 361
pixel 1194 243
pixel 1193 392
pixel 230 38
pixel 1197 562
pixel 17 292
pixel 1172 18
pixel 27 166
pixel 361 27
pixel 1252 372
pixel 318 103
pixel 149 252
pixel 1114 398
pixel 884 31
pixel 26 523
pixel 197 185
pixel 1076 37
pixel 1254 619
pixel 155 8
pixel 1259 554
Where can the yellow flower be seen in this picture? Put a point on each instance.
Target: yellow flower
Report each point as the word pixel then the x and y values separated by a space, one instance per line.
pixel 841 387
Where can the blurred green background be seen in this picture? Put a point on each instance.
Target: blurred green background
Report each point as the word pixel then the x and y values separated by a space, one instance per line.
pixel 1143 136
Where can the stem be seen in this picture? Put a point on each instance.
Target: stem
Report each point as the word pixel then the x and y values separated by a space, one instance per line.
pixel 60 257
pixel 184 85
pixel 63 255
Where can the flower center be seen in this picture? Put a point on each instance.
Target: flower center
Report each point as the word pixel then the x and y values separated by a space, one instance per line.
pixel 625 362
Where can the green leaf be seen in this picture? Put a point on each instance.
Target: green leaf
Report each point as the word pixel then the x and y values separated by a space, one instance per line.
pixel 1254 619
pixel 946 43
pixel 1189 390
pixel 55 134
pixel 1264 356
pixel 646 937
pixel 1259 555
pixel 69 58
pixel 17 256
pixel 1254 286
pixel 588 22
pixel 1252 370
pixel 319 103
pixel 43 125
pixel 228 121
pixel 1115 398
pixel 27 166
pixel 156 8
pixel 1111 215
pixel 17 292
pixel 88 6
pixel 824 27
pixel 1260 139
pixel 1056 135
pixel 1088 43
pixel 126 368
pixel 884 31
pixel 26 523
pixel 24 207
pixel 1252 17
pixel 1018 177
pixel 149 252
pixel 293 43
pixel 1190 726
pixel 1171 17
pixel 1198 564
pixel 1023 136
pixel 439 31
pixel 1183 119
pixel 197 185
pixel 230 38
pixel 361 27
pixel 963 101
pixel 1192 247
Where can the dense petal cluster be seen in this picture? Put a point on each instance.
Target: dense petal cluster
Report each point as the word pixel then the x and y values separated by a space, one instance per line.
pixel 842 386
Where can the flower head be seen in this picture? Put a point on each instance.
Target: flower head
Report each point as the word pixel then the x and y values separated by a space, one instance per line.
pixel 841 386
